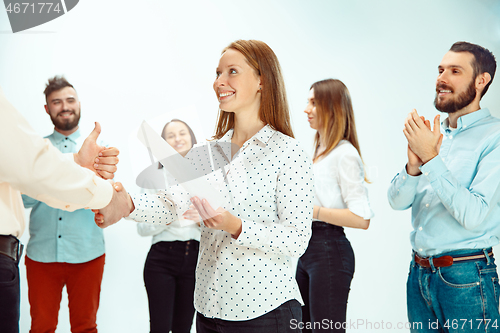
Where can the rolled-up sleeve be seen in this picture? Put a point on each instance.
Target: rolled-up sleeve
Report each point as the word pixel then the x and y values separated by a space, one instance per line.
pixel 352 185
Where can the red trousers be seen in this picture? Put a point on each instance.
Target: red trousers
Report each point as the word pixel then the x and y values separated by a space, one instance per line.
pixel 45 284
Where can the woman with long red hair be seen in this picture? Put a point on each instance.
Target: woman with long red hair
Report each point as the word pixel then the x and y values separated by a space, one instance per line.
pixel 244 278
pixel 245 281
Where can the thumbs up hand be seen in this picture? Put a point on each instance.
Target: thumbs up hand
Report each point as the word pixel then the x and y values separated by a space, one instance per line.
pixel 97 158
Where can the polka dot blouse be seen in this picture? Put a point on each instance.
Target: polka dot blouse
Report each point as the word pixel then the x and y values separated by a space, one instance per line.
pixel 268 184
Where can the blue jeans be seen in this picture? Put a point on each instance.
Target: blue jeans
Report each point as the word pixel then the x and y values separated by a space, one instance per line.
pixel 283 319
pixel 461 298
pixel 9 295
pixel 324 275
pixel 169 276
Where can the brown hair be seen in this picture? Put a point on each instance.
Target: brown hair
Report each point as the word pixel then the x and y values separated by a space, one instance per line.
pixel 55 84
pixel 274 105
pixel 484 61
pixel 335 116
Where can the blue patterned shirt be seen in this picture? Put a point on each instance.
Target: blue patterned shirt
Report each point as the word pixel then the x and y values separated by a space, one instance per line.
pixel 61 236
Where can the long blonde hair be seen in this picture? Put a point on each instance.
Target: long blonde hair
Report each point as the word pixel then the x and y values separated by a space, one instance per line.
pixel 274 105
pixel 335 116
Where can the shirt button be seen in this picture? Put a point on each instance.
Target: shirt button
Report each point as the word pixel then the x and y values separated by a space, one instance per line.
pixel 450 137
pixel 404 177
pixel 420 228
pixel 426 205
pixel 60 218
pixel 60 236
pixel 464 126
pixel 420 250
pixel 426 173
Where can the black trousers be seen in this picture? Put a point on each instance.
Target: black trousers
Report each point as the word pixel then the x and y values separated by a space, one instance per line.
pixel 169 276
pixel 9 295
pixel 286 318
pixel 324 275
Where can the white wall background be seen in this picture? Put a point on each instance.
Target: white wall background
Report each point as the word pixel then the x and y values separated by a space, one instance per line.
pixel 135 60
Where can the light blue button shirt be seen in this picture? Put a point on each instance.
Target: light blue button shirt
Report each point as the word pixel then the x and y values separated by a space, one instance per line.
pixel 455 201
pixel 61 236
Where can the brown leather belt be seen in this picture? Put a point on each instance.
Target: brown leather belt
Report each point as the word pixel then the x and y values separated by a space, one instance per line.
pixel 446 261
pixel 11 247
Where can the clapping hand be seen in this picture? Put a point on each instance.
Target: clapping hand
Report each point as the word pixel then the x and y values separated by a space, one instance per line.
pixel 423 142
pixel 414 162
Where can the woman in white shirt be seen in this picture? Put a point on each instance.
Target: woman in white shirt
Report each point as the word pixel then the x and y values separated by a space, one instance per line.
pixel 325 271
pixel 244 278
pixel 169 270
pixel 245 281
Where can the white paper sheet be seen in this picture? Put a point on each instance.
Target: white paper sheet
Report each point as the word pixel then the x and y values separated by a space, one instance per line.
pixel 182 169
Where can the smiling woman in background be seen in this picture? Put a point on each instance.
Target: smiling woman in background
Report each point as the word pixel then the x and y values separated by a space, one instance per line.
pixel 325 271
pixel 169 271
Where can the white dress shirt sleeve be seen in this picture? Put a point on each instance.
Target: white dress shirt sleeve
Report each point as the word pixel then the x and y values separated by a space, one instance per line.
pixel 352 185
pixel 33 166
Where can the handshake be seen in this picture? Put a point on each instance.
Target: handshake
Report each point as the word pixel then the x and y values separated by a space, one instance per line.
pixel 103 161
pixel 121 205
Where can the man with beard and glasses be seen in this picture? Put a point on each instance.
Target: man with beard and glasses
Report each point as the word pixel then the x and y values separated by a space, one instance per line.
pixel 65 248
pixel 452 183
